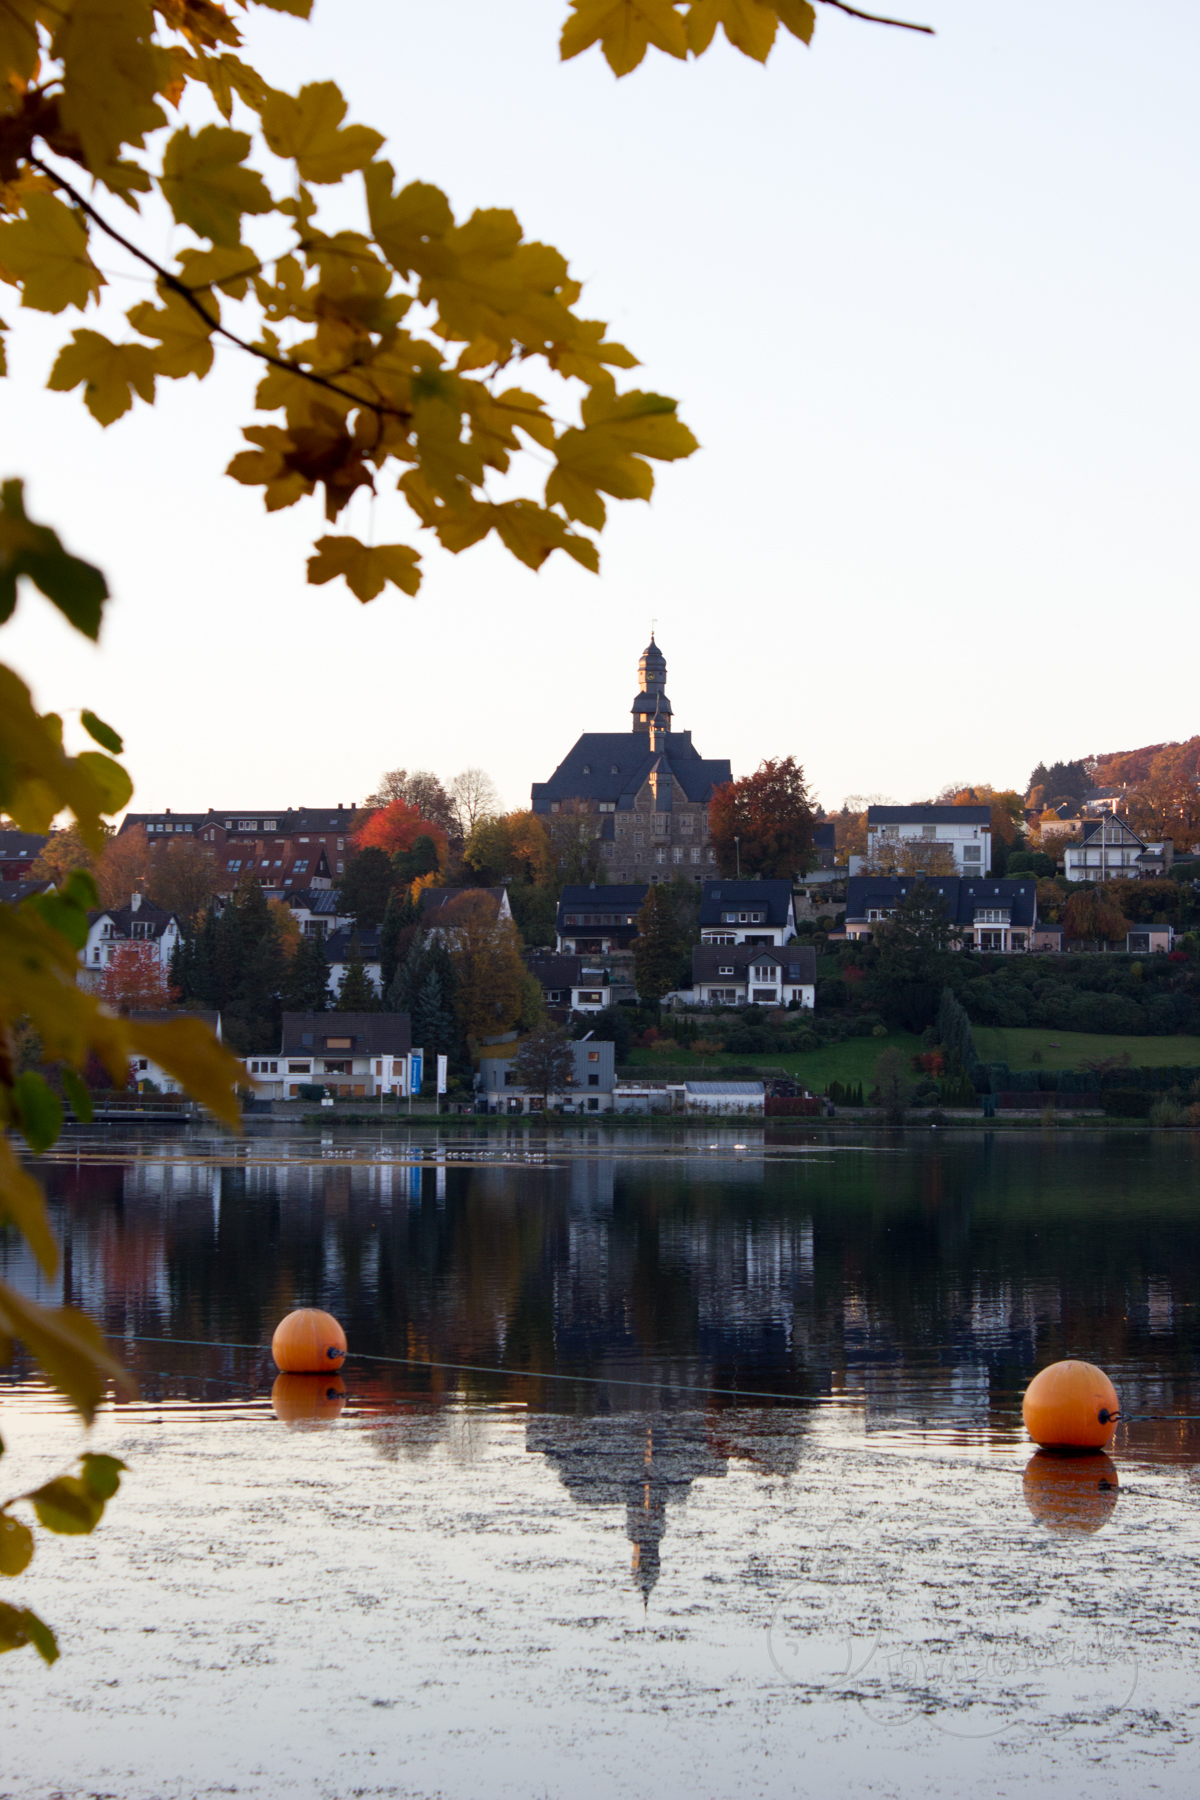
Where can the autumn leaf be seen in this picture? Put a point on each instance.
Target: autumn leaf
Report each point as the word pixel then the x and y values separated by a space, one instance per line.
pixel 18 39
pixel 606 455
pixel 19 1626
pixel 22 1205
pixel 365 570
pixel 308 129
pixel 184 335
pixel 46 255
pixel 68 1346
pixel 532 534
pixel 16 1545
pixel 110 374
pixel 206 185
pixel 624 29
pixel 798 17
pixel 112 72
pixel 749 25
pixel 101 733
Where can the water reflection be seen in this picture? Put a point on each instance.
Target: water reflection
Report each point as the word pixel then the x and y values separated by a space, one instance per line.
pixel 1071 1493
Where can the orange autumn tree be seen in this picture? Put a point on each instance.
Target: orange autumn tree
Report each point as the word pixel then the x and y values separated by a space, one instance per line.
pixel 135 980
pixel 763 824
pixel 395 828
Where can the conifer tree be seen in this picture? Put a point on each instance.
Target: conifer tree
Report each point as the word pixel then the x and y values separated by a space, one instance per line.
pixel 656 947
pixel 356 993
pixel 306 983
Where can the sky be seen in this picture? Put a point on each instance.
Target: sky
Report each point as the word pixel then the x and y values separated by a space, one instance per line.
pixel 929 304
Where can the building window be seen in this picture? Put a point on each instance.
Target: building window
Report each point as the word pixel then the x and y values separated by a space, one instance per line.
pixel 639 837
pixel 695 856
pixel 725 969
pixel 677 855
pixel 723 996
pixel 761 994
pixel 608 806
pixel 929 831
pixel 593 1056
pixel 660 855
pixel 247 825
pixel 593 1081
pixel 270 825
pixel 712 856
pixel 637 856
pixel 972 853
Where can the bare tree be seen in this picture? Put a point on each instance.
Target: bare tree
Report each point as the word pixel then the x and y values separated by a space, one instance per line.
pixel 184 878
pixel 475 797
pixel 421 789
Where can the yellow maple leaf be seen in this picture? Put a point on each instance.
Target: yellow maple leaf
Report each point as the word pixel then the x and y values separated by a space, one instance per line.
pixel 112 71
pixel 532 534
pixel 607 454
pixel 109 373
pixel 18 40
pixel 206 185
pixel 798 17
pixel 37 778
pixel 229 270
pixel 624 29
pixel 185 339
pixel 308 129
pixel 46 255
pixel 366 570
pixel 750 26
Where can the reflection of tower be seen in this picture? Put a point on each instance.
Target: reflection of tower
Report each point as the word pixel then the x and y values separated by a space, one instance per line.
pixel 639 1460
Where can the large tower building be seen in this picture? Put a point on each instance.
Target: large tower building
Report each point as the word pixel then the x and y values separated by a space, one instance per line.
pixel 649 788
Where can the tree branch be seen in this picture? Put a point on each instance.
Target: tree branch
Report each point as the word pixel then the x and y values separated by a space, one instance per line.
pixel 877 18
pixel 189 295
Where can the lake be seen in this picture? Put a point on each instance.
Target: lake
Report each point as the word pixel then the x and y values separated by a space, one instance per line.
pixel 674 1462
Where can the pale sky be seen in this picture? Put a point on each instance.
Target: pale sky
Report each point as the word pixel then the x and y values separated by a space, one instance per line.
pixel 930 306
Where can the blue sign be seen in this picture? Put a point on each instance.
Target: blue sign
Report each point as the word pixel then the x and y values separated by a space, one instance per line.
pixel 415 1064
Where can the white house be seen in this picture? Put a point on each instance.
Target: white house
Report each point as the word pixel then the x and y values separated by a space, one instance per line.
pixel 338 951
pixel 137 923
pixel 571 984
pixel 753 975
pixel 966 831
pixel 747 912
pixel 350 1055
pixel 1110 850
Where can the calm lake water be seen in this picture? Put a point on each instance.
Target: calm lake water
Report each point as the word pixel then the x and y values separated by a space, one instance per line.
pixel 676 1464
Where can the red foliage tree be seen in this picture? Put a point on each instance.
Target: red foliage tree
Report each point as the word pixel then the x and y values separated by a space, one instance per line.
pixel 764 822
pixel 396 828
pixel 135 980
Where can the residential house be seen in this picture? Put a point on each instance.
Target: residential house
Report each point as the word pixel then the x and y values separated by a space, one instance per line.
pixel 350 1055
pixel 298 847
pixel 747 912
pixel 753 975
pixel 965 831
pixel 317 910
pixel 1047 937
pixel 435 900
pixel 990 915
pixel 1111 850
pixel 19 850
pixel 138 923
pixel 1150 940
pixel 338 952
pixel 144 1072
pixel 647 790
pixel 589 1090
pixel 598 921
pixel 568 984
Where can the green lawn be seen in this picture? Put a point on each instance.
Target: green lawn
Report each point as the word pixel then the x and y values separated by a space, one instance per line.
pixel 852 1061
pixel 1067 1049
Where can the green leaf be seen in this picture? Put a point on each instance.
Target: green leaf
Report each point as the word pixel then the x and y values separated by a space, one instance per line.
pixel 206 185
pixel 101 733
pixel 109 777
pixel 110 374
pixel 66 909
pixel 38 1110
pixel 66 1344
pixel 67 1506
pixel 76 588
pixel 16 1545
pixel 102 1474
pixel 19 1626
pixel 79 1095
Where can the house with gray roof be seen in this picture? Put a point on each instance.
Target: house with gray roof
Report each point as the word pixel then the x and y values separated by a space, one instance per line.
pixel 647 788
pixel 747 912
pixel 598 920
pixel 753 975
pixel 989 915
pixel 966 831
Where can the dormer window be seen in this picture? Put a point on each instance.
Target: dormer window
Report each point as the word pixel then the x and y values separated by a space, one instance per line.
pixel 587 768
pixel 725 969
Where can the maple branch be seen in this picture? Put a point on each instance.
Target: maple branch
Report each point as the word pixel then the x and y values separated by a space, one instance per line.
pixel 877 18
pixel 189 295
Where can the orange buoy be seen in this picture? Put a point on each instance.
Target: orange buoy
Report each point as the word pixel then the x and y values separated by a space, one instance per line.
pixel 308 1399
pixel 1071 1406
pixel 1071 1493
pixel 308 1342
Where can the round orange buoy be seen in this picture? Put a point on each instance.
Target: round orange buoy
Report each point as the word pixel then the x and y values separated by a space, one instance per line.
pixel 308 1342
pixel 1071 1406
pixel 1071 1493
pixel 308 1399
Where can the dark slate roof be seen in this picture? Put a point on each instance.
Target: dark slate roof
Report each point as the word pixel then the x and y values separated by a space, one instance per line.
pixel 962 895
pixel 316 900
pixel 283 820
pixel 337 944
pixel 606 900
pixel 13 892
pixel 929 815
pixel 15 844
pixel 771 897
pixel 614 765
pixel 123 917
pixel 1094 825
pixel 799 963
pixel 824 837
pixel 374 1034
pixel 556 971
pixel 651 701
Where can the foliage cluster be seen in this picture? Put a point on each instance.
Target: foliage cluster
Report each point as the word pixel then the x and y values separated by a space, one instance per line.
pixel 764 823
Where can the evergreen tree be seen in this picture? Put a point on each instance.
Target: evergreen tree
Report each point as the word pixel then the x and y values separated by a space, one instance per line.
pixel 366 886
pixel 406 983
pixel 306 981
pixel 356 994
pixel 409 865
pixel 400 916
pixel 656 947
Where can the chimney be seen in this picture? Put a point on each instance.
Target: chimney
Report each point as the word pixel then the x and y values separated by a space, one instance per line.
pixel 135 901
